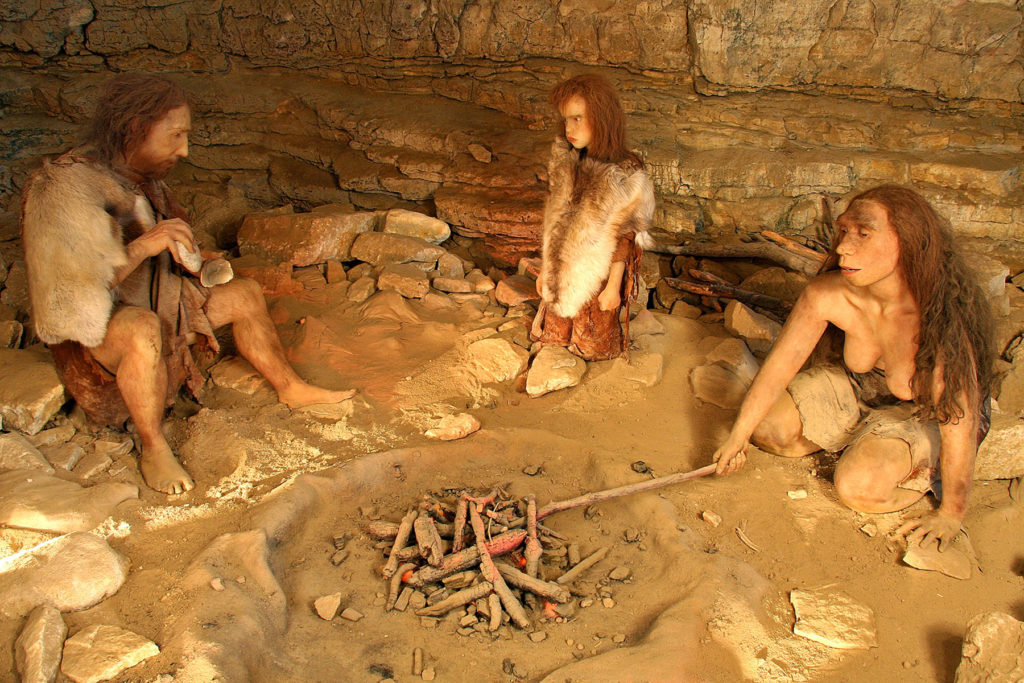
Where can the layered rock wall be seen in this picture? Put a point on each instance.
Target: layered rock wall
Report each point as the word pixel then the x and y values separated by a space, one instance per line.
pixel 748 113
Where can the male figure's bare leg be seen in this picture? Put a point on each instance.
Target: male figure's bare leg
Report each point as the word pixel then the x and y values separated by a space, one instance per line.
pixel 132 350
pixel 782 432
pixel 240 303
pixel 869 473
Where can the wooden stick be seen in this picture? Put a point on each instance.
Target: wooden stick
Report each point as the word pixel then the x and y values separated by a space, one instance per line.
pixel 765 250
pixel 464 559
pixel 545 589
pixel 494 606
pixel 401 536
pixel 427 539
pixel 794 246
pixel 459 528
pixel 628 489
pixel 719 288
pixel 487 568
pixel 462 597
pixel 533 551
pixel 585 564
pixel 386 531
pixel 396 584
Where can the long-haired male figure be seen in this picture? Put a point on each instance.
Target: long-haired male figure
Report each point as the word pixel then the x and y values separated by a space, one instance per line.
pixel 907 399
pixel 104 245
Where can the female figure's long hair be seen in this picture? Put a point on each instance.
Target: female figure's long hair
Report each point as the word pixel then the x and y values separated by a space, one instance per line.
pixel 127 109
pixel 956 320
pixel 604 114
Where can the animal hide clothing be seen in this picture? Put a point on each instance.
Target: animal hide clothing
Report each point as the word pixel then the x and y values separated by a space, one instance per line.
pixel 595 214
pixel 77 216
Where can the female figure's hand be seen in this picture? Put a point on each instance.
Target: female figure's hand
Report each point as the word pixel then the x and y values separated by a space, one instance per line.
pixel 731 456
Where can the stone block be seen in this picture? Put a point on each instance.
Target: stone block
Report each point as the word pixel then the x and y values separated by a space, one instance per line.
pixel 495 360
pixel 516 289
pixel 757 330
pixel 452 427
pixel 834 619
pixel 383 249
pixel 16 453
pixel 1001 454
pixel 237 374
pixel 481 283
pixel 733 354
pixel 718 386
pixel 415 224
pixel 32 500
pixel 992 649
pixel 30 391
pixel 452 285
pixel 361 290
pixel 101 652
pixel 554 368
pixel 451 266
pixel 38 649
pixel 777 282
pixel 404 278
pixel 11 332
pixel 303 239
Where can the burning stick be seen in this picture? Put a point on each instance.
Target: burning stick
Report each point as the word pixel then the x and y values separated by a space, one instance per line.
pixel 459 530
pixel 533 551
pixel 463 597
pixel 583 566
pixel 464 559
pixel 545 589
pixel 628 489
pixel 512 606
pixel 396 584
pixel 427 539
pixel 400 539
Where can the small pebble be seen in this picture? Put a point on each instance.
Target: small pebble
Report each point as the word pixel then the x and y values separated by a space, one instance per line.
pixel 403 599
pixel 468 620
pixel 428 674
pixel 339 557
pixel 465 631
pixel 216 583
pixel 711 518
pixel 586 602
pixel 240 579
pixel 798 494
pixel 631 535
pixel 869 529
pixel 428 622
pixel 619 638
pixel 417 600
pixel 620 574
pixel 538 636
pixel 532 470
pixel 340 540
pixel 608 602
pixel 351 614
pixel 640 467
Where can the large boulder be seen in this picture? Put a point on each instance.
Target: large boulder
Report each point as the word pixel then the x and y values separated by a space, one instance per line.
pixel 303 239
pixel 383 249
pixel 30 391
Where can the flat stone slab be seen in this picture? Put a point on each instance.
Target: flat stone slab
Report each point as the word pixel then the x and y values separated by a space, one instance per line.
pixel 992 649
pixel 496 360
pixel 516 289
pixel 718 386
pixel 37 651
pixel 452 427
pixel 953 561
pixel 415 224
pixel 326 606
pixel 834 619
pixel 733 354
pixel 239 375
pixel 305 238
pixel 30 391
pixel 382 249
pixel 101 652
pixel 758 330
pixel 33 500
pixel 406 279
pixel 554 368
pixel 17 453
pixel 72 572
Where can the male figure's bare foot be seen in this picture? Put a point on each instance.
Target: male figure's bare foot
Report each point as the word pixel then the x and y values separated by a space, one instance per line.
pixel 162 471
pixel 300 394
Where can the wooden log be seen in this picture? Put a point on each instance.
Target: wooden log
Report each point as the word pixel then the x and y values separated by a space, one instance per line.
pixel 628 489
pixel 766 250
pixel 459 528
pixel 487 568
pixel 533 551
pixel 386 531
pixel 427 539
pixel 545 589
pixel 464 559
pixel 396 584
pixel 401 537
pixel 718 288
pixel 463 597
pixel 585 564
pixel 494 607
pixel 794 246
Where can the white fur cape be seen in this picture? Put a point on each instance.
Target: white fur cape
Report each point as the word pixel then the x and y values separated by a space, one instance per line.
pixel 73 212
pixel 588 209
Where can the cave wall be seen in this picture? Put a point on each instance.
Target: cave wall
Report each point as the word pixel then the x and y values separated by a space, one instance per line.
pixel 747 112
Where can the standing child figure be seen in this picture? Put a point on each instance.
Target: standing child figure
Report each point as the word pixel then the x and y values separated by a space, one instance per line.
pixel 599 207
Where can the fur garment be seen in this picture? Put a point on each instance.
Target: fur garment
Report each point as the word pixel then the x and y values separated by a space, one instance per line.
pixel 590 205
pixel 74 212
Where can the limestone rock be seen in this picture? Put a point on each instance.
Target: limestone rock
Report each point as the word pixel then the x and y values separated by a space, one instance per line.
pixel 834 619
pixel 33 500
pixel 452 285
pixel 452 427
pixel 415 224
pixel 992 649
pixel 30 391
pixel 361 290
pixel 238 374
pixel 645 366
pixel 37 651
pixel 733 354
pixel 685 310
pixel 303 182
pixel 303 239
pixel 554 368
pixel 72 572
pixel 759 331
pixel 777 282
pixel 63 457
pixel 953 561
pixel 1011 391
pixel 479 152
pixel 1001 455
pixel 52 437
pixel 17 453
pixel 406 279
pixel 92 463
pixel 718 386
pixel 496 360
pixel 645 322
pixel 275 279
pixel 450 266
pixel 326 606
pixel 515 290
pixel 101 652
pixel 15 291
pixel 11 332
pixel 480 282
pixel 360 270
pixel 335 272
pixel 382 249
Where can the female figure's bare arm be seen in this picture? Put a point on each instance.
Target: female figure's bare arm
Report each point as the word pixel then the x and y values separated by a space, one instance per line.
pixel 609 298
pixel 791 350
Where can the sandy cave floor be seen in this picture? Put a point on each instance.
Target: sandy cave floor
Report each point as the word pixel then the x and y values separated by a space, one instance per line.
pixel 700 603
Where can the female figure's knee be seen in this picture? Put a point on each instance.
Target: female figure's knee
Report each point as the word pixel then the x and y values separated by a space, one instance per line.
pixel 776 436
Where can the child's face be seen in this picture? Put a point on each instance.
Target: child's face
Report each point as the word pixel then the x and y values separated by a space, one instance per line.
pixel 577 127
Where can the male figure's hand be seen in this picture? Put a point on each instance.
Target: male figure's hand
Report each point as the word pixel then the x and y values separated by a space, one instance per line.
pixel 162 237
pixel 934 526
